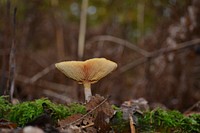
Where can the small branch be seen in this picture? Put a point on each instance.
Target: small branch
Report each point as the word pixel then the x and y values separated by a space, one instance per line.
pixel 89 125
pixel 82 31
pixel 132 64
pixel 87 113
pixel 58 30
pixel 42 73
pixel 43 84
pixel 197 104
pixel 63 98
pixel 12 62
pixel 163 51
pixel 120 42
pixel 131 124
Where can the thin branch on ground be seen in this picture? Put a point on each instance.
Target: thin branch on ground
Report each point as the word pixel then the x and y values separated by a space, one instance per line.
pixel 157 53
pixel 197 104
pixel 42 73
pixel 132 127
pixel 60 97
pixel 44 84
pixel 118 41
pixel 89 125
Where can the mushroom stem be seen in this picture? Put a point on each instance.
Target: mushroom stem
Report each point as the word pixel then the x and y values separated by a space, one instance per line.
pixel 87 90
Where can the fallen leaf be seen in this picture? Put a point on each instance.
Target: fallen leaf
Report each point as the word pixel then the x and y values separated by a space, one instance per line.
pixel 100 123
pixel 95 101
pixel 7 124
pixel 91 130
pixel 63 123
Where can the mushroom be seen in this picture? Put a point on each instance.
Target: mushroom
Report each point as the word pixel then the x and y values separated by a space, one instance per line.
pixel 87 72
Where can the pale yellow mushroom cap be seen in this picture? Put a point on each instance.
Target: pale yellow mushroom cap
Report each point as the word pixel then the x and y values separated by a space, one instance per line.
pixel 90 70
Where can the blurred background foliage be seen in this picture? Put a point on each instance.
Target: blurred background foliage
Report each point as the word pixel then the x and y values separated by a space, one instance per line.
pixel 47 32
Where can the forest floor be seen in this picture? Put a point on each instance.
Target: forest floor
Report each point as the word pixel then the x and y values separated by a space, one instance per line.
pixel 96 116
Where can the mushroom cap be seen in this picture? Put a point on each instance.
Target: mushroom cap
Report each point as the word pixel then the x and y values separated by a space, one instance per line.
pixel 90 70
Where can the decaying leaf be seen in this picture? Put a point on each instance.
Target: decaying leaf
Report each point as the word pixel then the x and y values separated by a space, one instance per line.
pixel 91 130
pixel 6 130
pixel 72 129
pixel 7 124
pixel 96 120
pixel 135 105
pixel 100 123
pixel 63 123
pixel 88 120
pixel 95 101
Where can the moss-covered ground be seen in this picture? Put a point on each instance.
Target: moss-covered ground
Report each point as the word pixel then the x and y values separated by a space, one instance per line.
pixel 157 120
pixel 26 112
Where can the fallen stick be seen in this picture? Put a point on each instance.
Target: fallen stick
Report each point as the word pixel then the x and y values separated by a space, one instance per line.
pixel 157 53
pixel 131 124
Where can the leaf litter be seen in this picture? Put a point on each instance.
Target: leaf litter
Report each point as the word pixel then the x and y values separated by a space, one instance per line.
pixel 96 116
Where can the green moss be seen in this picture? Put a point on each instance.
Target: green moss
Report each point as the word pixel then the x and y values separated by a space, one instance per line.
pixel 151 121
pixel 117 123
pixel 168 121
pixel 158 121
pixel 4 106
pixel 26 112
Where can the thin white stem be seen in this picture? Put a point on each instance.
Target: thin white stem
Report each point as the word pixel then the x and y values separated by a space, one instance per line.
pixel 87 91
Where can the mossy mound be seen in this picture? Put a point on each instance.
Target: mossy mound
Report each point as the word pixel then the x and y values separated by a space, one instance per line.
pixel 168 121
pixel 158 120
pixel 4 106
pixel 26 112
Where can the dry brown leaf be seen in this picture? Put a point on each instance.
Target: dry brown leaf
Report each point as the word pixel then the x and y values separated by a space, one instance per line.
pixel 95 101
pixel 63 123
pixel 7 124
pixel 100 123
pixel 72 129
pixel 88 120
pixel 91 130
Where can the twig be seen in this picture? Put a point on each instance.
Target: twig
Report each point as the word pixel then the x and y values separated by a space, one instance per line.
pixel 163 51
pixel 197 104
pixel 58 30
pixel 7 28
pixel 131 124
pixel 12 62
pixel 36 58
pixel 42 73
pixel 91 124
pixel 83 19
pixel 118 41
pixel 44 84
pixel 50 93
pixel 87 113
pixel 132 64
